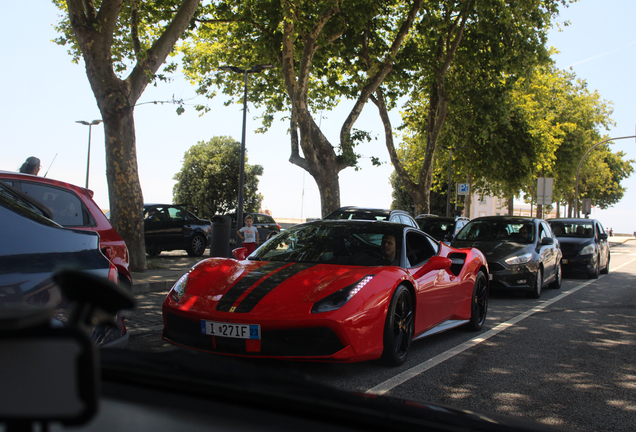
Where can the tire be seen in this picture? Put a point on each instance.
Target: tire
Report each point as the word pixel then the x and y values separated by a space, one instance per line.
pixel 556 283
pixel 606 269
pixel 538 285
pixel 153 251
pixel 398 328
pixel 197 245
pixel 594 273
pixel 479 303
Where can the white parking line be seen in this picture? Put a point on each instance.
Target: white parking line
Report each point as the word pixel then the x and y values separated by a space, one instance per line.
pixel 401 378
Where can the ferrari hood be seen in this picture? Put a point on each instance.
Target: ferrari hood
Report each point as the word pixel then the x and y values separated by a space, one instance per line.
pixel 239 286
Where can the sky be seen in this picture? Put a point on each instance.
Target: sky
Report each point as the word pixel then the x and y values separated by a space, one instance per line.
pixel 46 94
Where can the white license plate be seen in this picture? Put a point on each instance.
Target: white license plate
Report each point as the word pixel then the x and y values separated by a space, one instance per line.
pixel 229 330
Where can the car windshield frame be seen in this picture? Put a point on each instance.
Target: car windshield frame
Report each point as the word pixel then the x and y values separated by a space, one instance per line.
pixel 339 243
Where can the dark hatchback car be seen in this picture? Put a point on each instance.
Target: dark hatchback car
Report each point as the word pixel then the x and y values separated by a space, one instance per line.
pixel 360 213
pixel 264 223
pixel 584 245
pixel 172 227
pixel 73 207
pixel 34 248
pixel 442 229
pixel 523 254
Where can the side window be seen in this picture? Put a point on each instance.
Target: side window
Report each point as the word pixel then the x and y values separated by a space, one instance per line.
pixel 418 249
pixel 66 207
pixel 176 213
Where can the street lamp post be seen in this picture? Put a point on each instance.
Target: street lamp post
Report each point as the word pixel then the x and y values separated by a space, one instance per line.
pixel 88 158
pixel 245 72
pixel 576 189
pixel 448 193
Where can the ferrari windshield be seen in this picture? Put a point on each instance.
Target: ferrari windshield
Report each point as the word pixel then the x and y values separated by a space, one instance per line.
pixel 499 230
pixel 344 243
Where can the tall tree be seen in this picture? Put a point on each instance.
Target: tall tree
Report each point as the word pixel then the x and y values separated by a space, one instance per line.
pixel 208 183
pixel 324 50
pixel 460 45
pixel 115 38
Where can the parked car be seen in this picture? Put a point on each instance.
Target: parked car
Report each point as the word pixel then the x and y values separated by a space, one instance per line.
pixel 584 245
pixel 329 291
pixel 266 225
pixel 34 248
pixel 73 207
pixel 172 227
pixel 439 227
pixel 360 213
pixel 522 252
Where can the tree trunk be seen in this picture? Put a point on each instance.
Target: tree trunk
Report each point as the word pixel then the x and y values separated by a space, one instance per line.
pixel 116 98
pixel 511 206
pixel 124 190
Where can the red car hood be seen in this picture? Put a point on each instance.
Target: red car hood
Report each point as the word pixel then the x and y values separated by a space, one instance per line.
pixel 223 284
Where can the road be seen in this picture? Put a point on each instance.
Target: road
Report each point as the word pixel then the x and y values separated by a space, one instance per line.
pixel 566 359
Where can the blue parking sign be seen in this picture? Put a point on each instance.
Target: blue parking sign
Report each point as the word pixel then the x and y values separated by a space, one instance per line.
pixel 463 188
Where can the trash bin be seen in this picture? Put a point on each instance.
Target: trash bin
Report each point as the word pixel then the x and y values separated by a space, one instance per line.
pixel 220 241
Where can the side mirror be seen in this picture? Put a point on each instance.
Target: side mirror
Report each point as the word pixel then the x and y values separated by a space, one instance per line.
pixel 603 236
pixel 545 241
pixel 434 263
pixel 240 253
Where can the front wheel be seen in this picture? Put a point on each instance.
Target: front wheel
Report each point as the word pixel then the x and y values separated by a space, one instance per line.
pixel 197 245
pixel 538 285
pixel 479 303
pixel 595 265
pixel 558 277
pixel 606 268
pixel 153 251
pixel 398 329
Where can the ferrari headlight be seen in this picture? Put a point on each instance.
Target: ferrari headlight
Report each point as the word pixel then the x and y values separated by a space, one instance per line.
pixel 178 290
pixel 341 297
pixel 519 259
pixel 588 250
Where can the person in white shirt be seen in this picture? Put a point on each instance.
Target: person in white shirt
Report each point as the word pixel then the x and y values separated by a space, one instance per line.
pixel 249 235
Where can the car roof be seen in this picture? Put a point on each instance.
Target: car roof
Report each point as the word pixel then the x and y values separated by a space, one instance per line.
pixel 518 219
pixel 571 220
pixel 46 180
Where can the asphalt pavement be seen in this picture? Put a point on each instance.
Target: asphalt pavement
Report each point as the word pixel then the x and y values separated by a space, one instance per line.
pixel 150 287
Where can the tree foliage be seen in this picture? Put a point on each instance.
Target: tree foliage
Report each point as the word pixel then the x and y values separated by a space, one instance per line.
pixel 208 180
pixel 470 53
pixel 324 51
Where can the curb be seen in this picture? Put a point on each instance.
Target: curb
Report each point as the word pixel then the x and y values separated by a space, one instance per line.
pixel 144 287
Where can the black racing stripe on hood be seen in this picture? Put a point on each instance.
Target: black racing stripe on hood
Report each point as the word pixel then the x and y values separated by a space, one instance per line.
pixel 245 283
pixel 270 284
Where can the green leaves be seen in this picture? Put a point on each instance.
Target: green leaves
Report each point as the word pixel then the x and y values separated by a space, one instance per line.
pixel 208 180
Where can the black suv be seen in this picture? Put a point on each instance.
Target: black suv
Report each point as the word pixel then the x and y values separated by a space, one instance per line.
pixel 266 225
pixel 360 213
pixel 172 227
pixel 442 229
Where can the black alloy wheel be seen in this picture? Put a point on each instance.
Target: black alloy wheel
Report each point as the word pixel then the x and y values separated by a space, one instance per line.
pixel 197 245
pixel 594 272
pixel 479 303
pixel 538 285
pixel 558 277
pixel 398 329
pixel 153 251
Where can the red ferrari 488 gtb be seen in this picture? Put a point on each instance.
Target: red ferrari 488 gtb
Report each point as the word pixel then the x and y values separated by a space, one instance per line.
pixel 329 291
